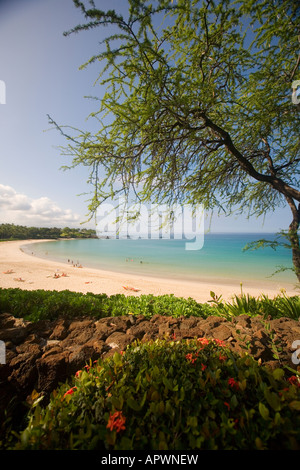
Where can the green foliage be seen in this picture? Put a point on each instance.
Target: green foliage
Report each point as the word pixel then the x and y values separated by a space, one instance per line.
pixel 84 424
pixel 20 232
pixel 280 306
pixel 37 305
pixel 41 304
pixel 177 78
pixel 274 244
pixel 169 395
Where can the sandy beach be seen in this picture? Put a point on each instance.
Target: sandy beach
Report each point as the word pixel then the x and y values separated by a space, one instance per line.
pixel 25 271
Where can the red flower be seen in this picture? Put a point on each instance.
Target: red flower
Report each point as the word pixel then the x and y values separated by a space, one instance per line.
pixel 203 341
pixel 190 358
pixel 203 366
pixel 222 358
pixel 233 383
pixel 227 404
pixel 220 342
pixel 116 421
pixel 293 380
pixel 70 391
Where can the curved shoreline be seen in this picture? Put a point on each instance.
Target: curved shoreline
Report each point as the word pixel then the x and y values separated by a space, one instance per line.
pixel 190 276
pixel 31 273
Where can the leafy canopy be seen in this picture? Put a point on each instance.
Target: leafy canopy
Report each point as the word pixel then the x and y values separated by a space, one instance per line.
pixel 197 104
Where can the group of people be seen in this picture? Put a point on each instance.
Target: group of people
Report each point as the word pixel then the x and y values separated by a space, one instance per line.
pixel 56 275
pixel 77 265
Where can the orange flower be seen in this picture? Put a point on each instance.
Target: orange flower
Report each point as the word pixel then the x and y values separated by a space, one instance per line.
pixel 203 341
pixel 220 342
pixel 190 358
pixel 116 421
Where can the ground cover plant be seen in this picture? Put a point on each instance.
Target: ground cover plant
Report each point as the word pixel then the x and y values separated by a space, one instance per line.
pixel 169 395
pixel 279 306
pixel 41 305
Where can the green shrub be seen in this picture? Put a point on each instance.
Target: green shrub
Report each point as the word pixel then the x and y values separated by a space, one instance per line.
pixel 170 395
pixel 280 306
pixel 49 305
pixel 41 304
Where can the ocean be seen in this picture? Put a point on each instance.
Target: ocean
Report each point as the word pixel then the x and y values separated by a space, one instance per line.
pixel 221 257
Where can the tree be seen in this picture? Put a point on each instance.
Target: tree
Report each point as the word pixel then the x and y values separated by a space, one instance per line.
pixel 197 106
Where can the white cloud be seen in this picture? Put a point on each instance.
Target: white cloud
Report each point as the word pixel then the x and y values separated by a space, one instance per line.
pixel 20 209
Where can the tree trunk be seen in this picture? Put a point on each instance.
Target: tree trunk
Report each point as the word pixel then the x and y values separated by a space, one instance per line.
pixel 294 237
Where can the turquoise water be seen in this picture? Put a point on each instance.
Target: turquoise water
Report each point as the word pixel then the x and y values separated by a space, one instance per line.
pixel 221 257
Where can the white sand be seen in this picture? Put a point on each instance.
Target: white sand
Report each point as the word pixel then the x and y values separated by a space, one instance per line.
pixel 30 273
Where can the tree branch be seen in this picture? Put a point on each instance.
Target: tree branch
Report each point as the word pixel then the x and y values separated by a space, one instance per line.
pixel 274 181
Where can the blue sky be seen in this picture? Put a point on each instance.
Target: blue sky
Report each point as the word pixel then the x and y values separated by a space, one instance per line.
pixel 40 70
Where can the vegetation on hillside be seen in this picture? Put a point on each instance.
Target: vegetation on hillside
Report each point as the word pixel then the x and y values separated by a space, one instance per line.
pixel 21 232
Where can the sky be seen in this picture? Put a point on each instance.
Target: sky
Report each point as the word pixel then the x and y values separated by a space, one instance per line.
pixel 40 76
